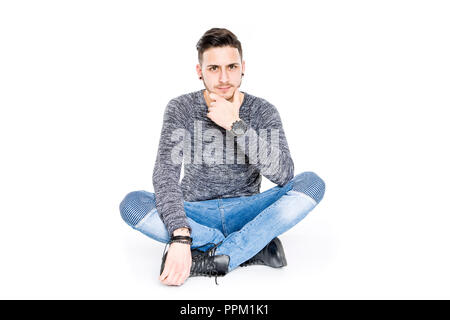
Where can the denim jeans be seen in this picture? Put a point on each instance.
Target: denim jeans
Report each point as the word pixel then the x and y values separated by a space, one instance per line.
pixel 244 225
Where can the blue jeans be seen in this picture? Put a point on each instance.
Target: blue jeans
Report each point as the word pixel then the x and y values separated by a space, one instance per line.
pixel 244 224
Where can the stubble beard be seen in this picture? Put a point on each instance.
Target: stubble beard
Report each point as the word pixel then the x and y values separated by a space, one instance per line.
pixel 231 94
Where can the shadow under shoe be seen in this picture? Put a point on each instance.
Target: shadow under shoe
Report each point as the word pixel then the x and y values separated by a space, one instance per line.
pixel 205 263
pixel 271 255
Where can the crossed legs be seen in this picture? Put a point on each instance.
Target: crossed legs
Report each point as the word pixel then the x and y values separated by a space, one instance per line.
pixel 243 231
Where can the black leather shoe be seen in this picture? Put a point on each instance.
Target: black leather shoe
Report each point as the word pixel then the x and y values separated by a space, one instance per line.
pixel 271 255
pixel 205 263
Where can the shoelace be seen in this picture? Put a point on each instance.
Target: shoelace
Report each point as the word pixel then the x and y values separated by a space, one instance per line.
pixel 205 264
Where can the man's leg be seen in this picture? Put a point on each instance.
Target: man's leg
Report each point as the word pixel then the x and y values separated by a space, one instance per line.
pixel 292 203
pixel 138 210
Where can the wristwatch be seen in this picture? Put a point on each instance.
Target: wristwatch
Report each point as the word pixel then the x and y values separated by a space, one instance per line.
pixel 239 127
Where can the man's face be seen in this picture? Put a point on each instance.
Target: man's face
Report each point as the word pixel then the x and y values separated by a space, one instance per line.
pixel 221 70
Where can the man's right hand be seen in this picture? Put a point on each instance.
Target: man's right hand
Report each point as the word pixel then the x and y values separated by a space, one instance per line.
pixel 177 267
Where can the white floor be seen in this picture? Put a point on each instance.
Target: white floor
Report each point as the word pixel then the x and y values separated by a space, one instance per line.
pixel 331 254
pixel 363 96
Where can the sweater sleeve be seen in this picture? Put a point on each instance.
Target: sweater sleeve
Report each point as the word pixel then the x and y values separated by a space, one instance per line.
pixel 266 146
pixel 166 173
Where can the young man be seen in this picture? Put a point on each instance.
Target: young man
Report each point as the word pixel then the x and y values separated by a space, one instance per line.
pixel 218 208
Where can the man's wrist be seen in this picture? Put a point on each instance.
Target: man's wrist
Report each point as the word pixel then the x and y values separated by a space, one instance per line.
pixel 233 121
pixel 181 232
pixel 239 128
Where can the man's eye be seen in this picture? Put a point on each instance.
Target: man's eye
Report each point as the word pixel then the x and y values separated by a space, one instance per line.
pixel 212 68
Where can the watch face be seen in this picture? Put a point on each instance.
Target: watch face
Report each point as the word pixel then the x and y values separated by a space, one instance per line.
pixel 239 127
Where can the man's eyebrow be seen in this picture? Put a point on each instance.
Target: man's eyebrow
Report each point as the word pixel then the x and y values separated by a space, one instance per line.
pixel 215 65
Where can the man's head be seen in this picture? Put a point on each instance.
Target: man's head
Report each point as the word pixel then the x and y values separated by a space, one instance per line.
pixel 220 62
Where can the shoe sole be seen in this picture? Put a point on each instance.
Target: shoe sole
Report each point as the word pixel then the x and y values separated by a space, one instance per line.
pixel 281 251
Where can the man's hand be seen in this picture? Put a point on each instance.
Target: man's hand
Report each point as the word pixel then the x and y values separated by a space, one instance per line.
pixel 177 267
pixel 224 112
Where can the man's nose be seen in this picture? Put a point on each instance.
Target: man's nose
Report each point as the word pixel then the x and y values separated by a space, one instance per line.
pixel 223 76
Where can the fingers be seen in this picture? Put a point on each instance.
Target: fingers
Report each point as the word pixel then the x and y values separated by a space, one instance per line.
pixel 164 274
pixel 237 97
pixel 173 277
pixel 214 96
pixel 170 279
pixel 181 278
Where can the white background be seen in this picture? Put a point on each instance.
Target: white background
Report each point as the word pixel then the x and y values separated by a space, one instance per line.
pixel 362 88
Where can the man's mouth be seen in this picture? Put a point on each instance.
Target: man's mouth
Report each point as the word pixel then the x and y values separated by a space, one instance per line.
pixel 224 88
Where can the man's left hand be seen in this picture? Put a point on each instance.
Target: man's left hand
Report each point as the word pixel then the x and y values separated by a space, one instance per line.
pixel 224 112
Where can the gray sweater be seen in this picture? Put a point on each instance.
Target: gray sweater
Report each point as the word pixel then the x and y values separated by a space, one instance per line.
pixel 217 164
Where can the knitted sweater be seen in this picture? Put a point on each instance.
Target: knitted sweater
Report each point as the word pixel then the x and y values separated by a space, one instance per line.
pixel 217 164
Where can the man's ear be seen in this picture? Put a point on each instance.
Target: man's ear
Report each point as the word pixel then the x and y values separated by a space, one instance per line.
pixel 199 70
pixel 243 66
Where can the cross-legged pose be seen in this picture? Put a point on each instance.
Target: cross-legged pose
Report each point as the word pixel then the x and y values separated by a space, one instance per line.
pixel 216 219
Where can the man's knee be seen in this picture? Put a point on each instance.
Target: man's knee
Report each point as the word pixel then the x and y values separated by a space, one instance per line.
pixel 310 184
pixel 135 206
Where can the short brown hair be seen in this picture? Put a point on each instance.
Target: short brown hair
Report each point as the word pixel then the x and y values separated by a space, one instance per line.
pixel 217 37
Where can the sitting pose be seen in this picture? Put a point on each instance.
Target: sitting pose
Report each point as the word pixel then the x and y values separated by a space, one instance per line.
pixel 216 219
